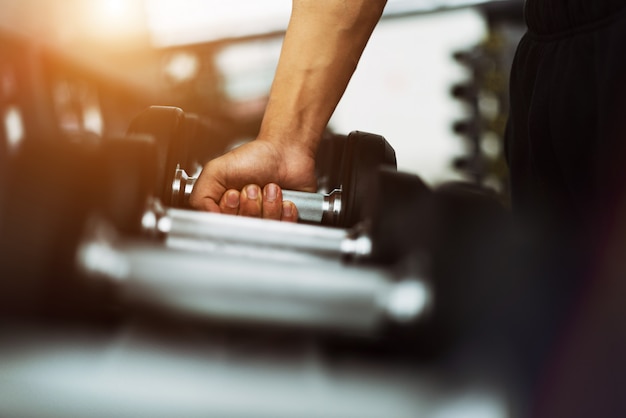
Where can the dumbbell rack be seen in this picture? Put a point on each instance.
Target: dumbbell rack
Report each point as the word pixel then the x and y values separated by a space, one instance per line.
pixel 211 266
pixel 234 269
pixel 210 292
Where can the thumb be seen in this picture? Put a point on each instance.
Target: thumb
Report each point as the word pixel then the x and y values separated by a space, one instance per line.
pixel 207 191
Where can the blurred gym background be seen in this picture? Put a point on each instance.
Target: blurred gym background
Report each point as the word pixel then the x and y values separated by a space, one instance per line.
pixel 432 80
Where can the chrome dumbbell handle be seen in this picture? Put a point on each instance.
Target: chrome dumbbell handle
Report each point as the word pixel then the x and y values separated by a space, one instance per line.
pixel 316 207
pixel 182 186
pixel 312 207
pixel 210 232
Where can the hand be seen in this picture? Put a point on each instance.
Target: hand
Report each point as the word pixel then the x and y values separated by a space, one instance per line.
pixel 231 183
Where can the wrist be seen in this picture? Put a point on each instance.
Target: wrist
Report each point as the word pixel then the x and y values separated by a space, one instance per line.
pixel 291 141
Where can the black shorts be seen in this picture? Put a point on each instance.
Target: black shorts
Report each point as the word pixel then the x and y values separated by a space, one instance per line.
pixel 566 135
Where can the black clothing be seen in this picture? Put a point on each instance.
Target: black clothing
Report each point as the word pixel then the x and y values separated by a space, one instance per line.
pixel 566 148
pixel 552 17
pixel 567 129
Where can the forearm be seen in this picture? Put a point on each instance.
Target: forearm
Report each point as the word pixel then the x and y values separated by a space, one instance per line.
pixel 322 46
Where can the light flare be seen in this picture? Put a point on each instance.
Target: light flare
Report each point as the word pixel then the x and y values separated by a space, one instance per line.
pixel 115 19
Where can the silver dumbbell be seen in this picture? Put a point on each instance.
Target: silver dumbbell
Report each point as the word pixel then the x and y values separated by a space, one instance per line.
pixel 362 154
pixel 312 207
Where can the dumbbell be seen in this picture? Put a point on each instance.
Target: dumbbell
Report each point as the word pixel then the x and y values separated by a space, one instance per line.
pixel 382 214
pixel 324 208
pixel 181 138
pixel 398 221
pixel 362 154
pixel 52 188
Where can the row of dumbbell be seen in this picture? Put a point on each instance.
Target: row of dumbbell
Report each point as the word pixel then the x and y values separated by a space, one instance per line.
pixel 58 244
pixel 358 205
pixel 375 206
pixel 56 249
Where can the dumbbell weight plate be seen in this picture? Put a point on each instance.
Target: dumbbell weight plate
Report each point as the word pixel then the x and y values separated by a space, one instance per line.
pixel 130 171
pixel 402 216
pixel 328 162
pixel 206 139
pixel 4 161
pixel 50 187
pixel 363 154
pixel 167 126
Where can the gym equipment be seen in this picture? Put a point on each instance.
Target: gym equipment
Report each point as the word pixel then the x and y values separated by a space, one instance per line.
pixel 325 208
pixel 201 231
pixel 50 189
pixel 128 167
pixel 362 153
pixel 226 285
pixel 211 273
pixel 384 214
pixel 182 139
pixel 218 268
pixel 328 161
pixel 400 225
pixel 127 203
pixel 395 226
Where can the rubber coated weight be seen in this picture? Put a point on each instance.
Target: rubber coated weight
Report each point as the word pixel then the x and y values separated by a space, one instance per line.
pixel 328 162
pixel 4 162
pixel 167 126
pixel 363 154
pixel 130 171
pixel 51 187
pixel 205 139
pixel 183 140
pixel 401 219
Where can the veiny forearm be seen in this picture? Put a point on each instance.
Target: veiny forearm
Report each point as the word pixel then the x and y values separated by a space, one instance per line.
pixel 322 46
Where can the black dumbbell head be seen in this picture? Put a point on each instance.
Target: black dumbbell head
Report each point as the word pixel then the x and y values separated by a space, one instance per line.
pixel 183 140
pixel 50 189
pixel 364 153
pixel 130 170
pixel 401 216
pixel 167 126
pixel 328 162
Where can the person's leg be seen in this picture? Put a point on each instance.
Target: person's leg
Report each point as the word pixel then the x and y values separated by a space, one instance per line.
pixel 566 149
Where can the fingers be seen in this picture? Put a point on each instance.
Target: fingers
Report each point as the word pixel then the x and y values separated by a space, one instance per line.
pixel 272 202
pixel 229 204
pixel 206 204
pixel 253 202
pixel 274 207
pixel 289 212
pixel 207 192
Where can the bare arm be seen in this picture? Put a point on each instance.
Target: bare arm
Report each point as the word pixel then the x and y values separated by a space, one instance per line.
pixel 323 44
pixel 322 47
